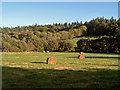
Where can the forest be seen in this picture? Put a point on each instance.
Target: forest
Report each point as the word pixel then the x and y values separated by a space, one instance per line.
pixel 56 37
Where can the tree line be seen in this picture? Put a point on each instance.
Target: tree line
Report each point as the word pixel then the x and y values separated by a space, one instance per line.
pixel 55 37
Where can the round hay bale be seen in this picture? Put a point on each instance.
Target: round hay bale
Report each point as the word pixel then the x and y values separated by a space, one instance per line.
pixel 82 53
pixel 81 57
pixel 51 60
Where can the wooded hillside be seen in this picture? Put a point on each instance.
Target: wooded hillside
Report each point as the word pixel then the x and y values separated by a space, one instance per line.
pixel 56 37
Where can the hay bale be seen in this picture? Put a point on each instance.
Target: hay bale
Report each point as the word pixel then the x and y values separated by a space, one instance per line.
pixel 82 55
pixel 51 60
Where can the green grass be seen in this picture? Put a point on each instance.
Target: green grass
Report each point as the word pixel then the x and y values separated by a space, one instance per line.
pixel 30 70
pixel 74 40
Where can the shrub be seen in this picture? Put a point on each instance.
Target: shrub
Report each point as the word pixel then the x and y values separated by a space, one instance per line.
pixel 102 45
pixel 65 45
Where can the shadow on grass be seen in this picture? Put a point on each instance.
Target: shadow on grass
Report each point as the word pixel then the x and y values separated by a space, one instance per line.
pixel 51 78
pixel 103 57
pixel 114 65
pixel 97 57
pixel 40 62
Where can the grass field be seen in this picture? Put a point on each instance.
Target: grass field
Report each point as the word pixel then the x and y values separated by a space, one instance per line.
pixel 74 40
pixel 30 70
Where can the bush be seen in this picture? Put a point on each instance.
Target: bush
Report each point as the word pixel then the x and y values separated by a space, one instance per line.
pixel 101 45
pixel 65 45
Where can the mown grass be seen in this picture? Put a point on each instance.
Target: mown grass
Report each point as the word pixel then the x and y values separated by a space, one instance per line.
pixel 30 70
pixel 74 40
pixel 91 37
